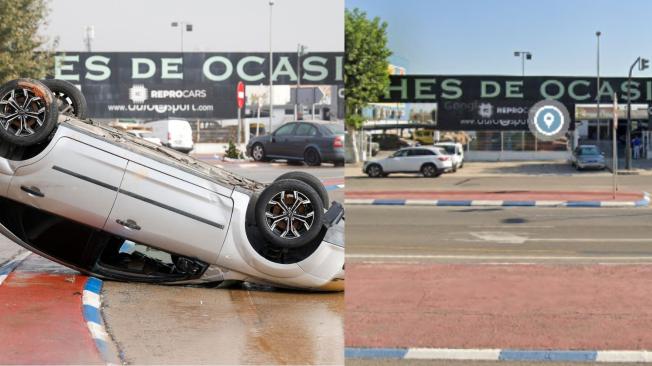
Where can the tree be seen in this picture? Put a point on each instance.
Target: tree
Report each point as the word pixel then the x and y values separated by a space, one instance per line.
pixel 22 49
pixel 366 66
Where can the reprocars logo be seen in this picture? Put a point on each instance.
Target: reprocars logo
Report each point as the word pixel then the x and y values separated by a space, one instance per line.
pixel 485 110
pixel 138 94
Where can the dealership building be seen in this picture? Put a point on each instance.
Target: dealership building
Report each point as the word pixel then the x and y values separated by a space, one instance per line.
pixel 491 113
pixel 164 67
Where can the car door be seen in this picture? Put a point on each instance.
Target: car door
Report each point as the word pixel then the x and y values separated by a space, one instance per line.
pixel 74 180
pixel 168 213
pixel 396 162
pixel 280 139
pixel 416 158
pixel 304 135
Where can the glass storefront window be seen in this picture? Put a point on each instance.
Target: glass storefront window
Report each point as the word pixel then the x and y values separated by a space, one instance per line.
pixel 485 141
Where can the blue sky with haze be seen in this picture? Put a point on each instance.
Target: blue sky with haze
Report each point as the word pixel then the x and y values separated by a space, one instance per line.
pixel 480 36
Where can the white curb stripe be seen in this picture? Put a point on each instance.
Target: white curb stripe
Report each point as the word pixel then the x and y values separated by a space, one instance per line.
pixel 624 356
pixel 91 299
pixel 97 331
pixel 452 354
pixel 486 203
pixel 421 202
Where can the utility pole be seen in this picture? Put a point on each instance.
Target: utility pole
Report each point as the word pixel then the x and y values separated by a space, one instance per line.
pixel 271 70
pixel 598 120
pixel 89 37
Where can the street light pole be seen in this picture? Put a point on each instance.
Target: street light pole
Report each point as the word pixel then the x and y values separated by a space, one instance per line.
pixel 628 135
pixel 642 65
pixel 597 101
pixel 271 69
pixel 183 26
pixel 301 49
pixel 524 55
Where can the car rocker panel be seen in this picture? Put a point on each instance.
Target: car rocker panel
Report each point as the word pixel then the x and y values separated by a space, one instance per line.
pixel 118 207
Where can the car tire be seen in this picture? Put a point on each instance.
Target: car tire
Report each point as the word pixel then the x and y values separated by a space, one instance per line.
pixel 310 180
pixel 311 157
pixel 375 171
pixel 258 152
pixel 338 164
pixel 35 107
pixel 70 100
pixel 430 171
pixel 276 214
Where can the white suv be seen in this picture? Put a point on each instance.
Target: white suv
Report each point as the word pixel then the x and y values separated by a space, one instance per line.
pixel 455 150
pixel 429 161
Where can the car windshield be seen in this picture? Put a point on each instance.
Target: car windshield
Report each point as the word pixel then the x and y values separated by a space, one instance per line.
pixel 588 150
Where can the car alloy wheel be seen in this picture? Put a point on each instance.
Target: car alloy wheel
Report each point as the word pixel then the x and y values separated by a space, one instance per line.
pixel 258 153
pixel 289 216
pixel 429 171
pixel 70 100
pixel 374 171
pixel 22 113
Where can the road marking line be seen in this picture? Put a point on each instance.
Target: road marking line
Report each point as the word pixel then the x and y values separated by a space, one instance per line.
pixel 500 237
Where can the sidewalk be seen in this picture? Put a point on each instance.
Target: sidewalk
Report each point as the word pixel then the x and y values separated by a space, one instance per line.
pixel 535 307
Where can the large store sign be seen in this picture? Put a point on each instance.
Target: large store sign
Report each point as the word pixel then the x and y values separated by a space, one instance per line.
pixel 503 102
pixel 190 85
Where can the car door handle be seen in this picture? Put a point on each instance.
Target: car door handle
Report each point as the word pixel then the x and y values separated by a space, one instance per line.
pixel 32 191
pixel 129 224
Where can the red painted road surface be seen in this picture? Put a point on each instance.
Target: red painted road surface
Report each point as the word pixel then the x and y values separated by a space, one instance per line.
pixel 41 318
pixel 590 307
pixel 498 195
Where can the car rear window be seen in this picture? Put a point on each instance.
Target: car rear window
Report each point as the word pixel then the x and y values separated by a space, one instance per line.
pixel 588 150
pixel 334 130
pixel 450 150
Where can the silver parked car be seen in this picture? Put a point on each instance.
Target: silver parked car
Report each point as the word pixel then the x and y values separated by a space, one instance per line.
pixel 115 206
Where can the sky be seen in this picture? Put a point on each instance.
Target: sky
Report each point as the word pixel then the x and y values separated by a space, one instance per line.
pixel 480 36
pixel 219 25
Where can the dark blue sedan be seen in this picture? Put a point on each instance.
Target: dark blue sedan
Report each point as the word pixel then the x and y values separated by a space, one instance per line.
pixel 311 142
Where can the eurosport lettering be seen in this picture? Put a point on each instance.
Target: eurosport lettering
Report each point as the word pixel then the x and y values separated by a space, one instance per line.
pixel 161 108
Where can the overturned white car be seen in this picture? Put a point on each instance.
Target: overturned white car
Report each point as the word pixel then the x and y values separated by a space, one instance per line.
pixel 114 206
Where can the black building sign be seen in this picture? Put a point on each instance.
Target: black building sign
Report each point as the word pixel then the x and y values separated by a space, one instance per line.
pixel 190 85
pixel 465 102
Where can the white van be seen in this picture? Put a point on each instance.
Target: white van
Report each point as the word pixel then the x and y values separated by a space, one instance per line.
pixel 174 133
pixel 455 150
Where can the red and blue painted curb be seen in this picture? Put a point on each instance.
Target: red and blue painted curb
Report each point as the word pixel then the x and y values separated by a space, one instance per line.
pixel 644 202
pixel 497 355
pixel 9 267
pixel 91 305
